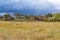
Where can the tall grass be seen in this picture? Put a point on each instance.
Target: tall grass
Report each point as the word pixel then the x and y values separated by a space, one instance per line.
pixel 29 30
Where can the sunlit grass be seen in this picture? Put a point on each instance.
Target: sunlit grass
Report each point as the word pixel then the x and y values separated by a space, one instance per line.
pixel 30 30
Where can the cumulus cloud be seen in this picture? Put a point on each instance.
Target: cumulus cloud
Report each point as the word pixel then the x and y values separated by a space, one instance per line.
pixel 31 4
pixel 56 3
pixel 2 13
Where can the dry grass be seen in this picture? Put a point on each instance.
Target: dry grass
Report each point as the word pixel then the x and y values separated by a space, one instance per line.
pixel 29 30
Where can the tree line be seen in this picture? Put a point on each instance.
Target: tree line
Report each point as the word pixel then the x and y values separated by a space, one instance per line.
pixel 49 17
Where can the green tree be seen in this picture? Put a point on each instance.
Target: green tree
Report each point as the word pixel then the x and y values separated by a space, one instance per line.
pixel 0 17
pixel 55 17
pixel 38 18
pixel 16 16
pixel 6 17
pixel 31 18
pixel 24 18
pixel 48 15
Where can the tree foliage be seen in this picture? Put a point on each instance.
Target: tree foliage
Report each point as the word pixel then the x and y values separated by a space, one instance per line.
pixel 7 17
pixel 49 17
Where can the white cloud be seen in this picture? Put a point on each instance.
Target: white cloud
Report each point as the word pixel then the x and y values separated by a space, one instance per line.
pixel 16 0
pixel 2 14
pixel 38 4
pixel 56 3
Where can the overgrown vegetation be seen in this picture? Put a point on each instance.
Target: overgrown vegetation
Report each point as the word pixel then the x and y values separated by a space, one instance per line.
pixel 49 17
pixel 29 30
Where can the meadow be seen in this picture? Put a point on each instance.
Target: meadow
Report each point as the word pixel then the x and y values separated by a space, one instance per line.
pixel 29 30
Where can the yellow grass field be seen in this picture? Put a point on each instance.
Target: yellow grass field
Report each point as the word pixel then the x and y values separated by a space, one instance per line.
pixel 29 30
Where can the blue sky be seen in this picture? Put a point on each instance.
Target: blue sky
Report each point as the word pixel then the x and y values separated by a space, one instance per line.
pixel 34 7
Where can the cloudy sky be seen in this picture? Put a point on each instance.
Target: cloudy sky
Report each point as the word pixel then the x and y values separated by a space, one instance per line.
pixel 30 6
